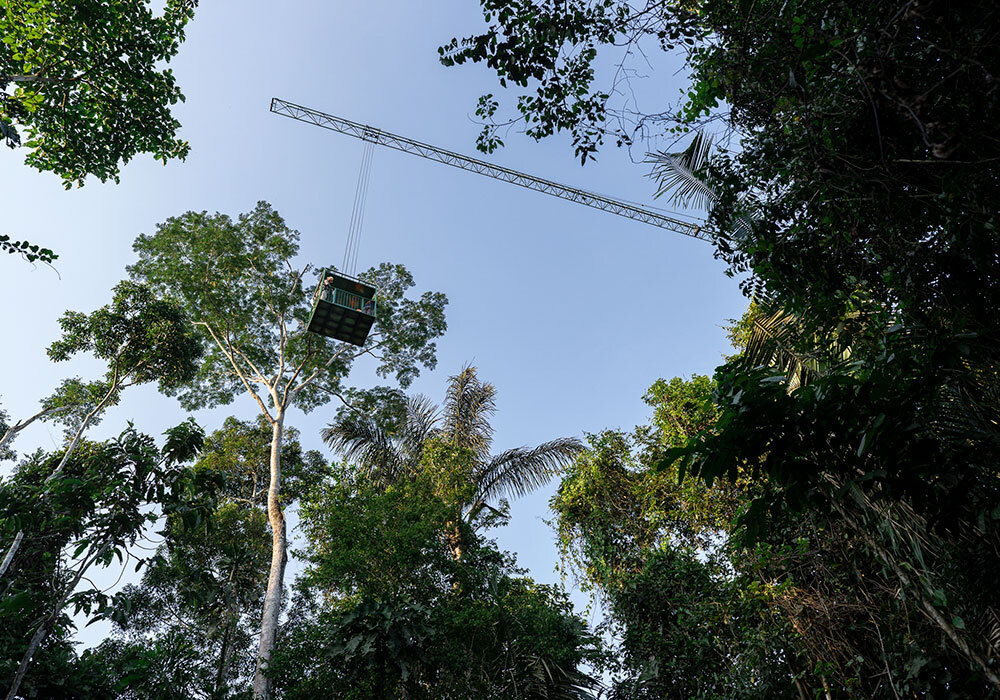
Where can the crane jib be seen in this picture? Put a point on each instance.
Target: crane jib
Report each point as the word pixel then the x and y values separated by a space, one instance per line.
pixel 401 143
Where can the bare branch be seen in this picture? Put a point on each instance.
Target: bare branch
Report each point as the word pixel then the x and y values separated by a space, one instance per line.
pixel 239 373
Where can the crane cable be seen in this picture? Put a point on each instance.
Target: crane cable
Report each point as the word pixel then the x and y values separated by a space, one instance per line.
pixel 350 265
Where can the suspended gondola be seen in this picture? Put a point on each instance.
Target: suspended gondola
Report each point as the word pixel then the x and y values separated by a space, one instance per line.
pixel 343 308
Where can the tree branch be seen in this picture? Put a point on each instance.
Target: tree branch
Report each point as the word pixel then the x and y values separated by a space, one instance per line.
pixel 239 373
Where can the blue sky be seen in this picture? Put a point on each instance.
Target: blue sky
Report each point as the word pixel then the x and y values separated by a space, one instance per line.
pixel 520 268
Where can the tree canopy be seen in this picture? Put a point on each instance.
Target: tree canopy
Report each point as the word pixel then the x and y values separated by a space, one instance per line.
pixel 238 282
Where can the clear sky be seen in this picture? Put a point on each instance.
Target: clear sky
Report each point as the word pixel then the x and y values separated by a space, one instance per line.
pixel 528 276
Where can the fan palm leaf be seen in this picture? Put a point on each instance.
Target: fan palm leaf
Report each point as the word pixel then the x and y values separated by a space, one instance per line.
pixel 568 684
pixel 542 678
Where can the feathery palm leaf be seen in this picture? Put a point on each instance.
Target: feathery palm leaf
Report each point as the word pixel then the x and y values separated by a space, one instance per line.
pixel 967 411
pixel 678 173
pixel 768 344
pixel 551 681
pixel 469 405
pixel 422 423
pixel 771 343
pixel 360 438
pixel 521 470
pixel 383 457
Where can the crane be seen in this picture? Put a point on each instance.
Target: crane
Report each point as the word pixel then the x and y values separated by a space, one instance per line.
pixel 407 145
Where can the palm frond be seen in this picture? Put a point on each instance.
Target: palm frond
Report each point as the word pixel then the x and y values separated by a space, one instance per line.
pixel 774 340
pixel 769 344
pixel 964 414
pixel 360 439
pixel 678 173
pixel 545 679
pixel 422 419
pixel 468 406
pixel 521 470
pixel 993 629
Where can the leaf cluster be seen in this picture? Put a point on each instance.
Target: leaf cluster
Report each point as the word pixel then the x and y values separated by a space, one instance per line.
pixel 27 250
pixel 86 83
pixel 143 338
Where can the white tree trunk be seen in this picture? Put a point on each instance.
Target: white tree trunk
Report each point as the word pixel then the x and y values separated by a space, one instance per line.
pixel 279 557
pixel 11 551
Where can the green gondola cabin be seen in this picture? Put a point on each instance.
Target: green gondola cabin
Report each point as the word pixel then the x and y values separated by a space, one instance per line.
pixel 343 308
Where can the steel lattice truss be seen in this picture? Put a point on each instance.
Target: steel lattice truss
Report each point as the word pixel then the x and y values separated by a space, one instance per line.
pixel 401 143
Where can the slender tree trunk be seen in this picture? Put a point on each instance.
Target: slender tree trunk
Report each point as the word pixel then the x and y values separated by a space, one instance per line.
pixel 455 540
pixel 115 387
pixel 224 655
pixel 279 557
pixel 7 437
pixel 42 631
pixel 11 551
pixel 21 425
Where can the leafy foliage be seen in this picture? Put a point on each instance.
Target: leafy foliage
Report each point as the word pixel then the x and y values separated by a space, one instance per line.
pixel 553 48
pixel 142 337
pixel 199 601
pixel 701 606
pixel 88 85
pixel 6 453
pixel 863 185
pixel 652 545
pixel 385 610
pixel 27 250
pixel 95 512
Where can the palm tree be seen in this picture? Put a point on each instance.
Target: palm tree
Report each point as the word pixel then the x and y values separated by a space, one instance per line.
pixel 464 421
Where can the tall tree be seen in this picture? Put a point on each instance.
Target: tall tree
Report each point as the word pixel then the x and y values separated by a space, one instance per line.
pixel 204 589
pixel 239 283
pixel 459 434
